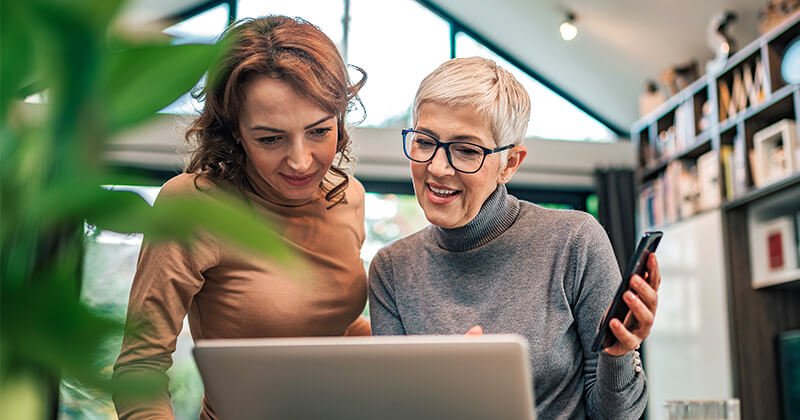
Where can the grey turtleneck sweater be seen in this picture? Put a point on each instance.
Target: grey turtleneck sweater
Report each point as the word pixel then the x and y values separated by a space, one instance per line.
pixel 548 275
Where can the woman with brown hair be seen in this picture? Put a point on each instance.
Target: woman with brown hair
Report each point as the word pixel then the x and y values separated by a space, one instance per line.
pixel 273 131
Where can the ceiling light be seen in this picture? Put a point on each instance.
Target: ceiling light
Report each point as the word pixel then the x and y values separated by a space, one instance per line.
pixel 568 29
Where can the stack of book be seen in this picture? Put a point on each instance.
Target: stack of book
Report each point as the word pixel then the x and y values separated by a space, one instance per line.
pixel 683 189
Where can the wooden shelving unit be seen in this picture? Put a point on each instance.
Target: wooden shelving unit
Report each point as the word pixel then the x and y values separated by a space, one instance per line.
pixel 706 128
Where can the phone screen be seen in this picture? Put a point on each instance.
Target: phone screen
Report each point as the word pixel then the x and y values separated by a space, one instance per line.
pixel 618 308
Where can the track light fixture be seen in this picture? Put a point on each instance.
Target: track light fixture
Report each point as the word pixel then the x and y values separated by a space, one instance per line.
pixel 568 29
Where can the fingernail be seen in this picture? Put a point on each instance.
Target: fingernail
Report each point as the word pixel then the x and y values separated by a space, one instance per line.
pixel 628 296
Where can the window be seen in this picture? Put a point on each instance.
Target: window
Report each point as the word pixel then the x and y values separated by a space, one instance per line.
pixel 109 265
pixel 387 218
pixel 203 28
pixel 397 43
pixel 552 117
pixel 325 14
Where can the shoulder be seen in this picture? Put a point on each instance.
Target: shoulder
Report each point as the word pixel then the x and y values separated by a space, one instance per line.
pixel 404 248
pixel 572 224
pixel 186 184
pixel 354 192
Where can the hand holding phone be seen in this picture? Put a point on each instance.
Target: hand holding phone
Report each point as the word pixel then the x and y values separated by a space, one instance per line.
pixel 619 309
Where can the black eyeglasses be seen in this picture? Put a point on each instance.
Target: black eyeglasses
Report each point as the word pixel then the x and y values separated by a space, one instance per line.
pixel 463 156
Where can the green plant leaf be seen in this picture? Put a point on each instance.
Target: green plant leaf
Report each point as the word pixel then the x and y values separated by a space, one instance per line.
pixel 95 14
pixel 44 323
pixel 141 80
pixel 182 217
pixel 15 54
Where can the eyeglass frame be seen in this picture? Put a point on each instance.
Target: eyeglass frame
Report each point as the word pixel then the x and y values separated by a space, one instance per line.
pixel 446 146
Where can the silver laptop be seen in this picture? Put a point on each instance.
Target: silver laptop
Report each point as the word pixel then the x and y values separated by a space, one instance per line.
pixel 353 378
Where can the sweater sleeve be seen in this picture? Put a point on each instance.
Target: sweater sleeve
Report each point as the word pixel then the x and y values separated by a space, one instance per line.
pixel 613 390
pixel 384 317
pixel 168 276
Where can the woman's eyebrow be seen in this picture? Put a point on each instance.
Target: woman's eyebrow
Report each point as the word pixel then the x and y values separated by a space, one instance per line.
pixel 459 137
pixel 427 131
pixel 266 128
pixel 319 122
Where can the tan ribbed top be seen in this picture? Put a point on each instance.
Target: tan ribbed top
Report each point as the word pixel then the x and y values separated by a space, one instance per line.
pixel 229 294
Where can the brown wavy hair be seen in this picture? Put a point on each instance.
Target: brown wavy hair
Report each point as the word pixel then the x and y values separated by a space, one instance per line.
pixel 289 49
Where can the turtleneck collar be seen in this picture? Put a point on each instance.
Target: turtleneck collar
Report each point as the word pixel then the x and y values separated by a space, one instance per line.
pixel 497 214
pixel 263 190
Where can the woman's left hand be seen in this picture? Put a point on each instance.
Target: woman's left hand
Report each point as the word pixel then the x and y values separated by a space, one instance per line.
pixel 642 312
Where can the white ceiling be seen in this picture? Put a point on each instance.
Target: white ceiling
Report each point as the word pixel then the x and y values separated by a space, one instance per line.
pixel 620 44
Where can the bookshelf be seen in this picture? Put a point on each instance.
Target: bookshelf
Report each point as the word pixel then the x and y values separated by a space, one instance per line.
pixel 706 149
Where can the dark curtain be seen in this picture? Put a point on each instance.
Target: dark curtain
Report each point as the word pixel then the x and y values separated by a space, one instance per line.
pixel 616 207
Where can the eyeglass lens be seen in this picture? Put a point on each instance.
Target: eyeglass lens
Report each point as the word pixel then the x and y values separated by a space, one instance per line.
pixel 465 157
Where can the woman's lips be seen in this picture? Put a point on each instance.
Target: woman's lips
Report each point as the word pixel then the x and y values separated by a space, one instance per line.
pixel 435 196
pixel 298 181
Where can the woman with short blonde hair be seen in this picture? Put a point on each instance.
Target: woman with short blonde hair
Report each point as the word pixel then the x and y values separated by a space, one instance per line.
pixel 492 263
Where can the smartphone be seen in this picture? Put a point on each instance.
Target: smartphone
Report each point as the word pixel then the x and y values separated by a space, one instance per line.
pixel 619 309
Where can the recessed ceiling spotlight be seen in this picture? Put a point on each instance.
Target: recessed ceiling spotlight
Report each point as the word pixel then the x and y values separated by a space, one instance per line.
pixel 568 29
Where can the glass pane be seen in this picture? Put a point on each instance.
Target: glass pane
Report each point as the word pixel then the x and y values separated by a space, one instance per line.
pixel 388 217
pixel 203 28
pixel 109 265
pixel 398 43
pixel 325 14
pixel 552 117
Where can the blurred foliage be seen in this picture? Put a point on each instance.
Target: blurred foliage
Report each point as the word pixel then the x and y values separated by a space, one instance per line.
pixel 95 84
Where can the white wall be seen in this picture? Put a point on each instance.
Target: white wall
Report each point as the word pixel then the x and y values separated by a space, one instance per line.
pixel 379 154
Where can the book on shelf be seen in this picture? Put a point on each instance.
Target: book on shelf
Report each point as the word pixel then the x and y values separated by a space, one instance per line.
pixel 672 191
pixel 754 171
pixel 739 166
pixel 724 99
pixel 708 180
pixel 646 198
pixel 687 190
pixel 726 158
pixel 672 196
pixel 684 126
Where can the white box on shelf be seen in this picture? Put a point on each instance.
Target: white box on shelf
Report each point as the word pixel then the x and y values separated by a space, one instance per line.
pixel 776 152
pixel 773 252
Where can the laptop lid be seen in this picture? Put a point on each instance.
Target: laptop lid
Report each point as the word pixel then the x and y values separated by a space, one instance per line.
pixel 353 378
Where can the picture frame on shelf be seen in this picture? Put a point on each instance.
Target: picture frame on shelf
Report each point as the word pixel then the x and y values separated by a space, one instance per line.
pixel 774 252
pixel 775 150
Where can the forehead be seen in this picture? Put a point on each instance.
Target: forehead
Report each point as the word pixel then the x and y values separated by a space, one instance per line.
pixel 267 99
pixel 455 123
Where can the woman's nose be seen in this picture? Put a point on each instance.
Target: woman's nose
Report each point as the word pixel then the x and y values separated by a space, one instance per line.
pixel 299 158
pixel 439 165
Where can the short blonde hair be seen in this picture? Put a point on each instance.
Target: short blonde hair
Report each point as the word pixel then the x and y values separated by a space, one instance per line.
pixel 480 83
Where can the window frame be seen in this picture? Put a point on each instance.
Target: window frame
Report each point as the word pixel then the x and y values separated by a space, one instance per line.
pixel 456 26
